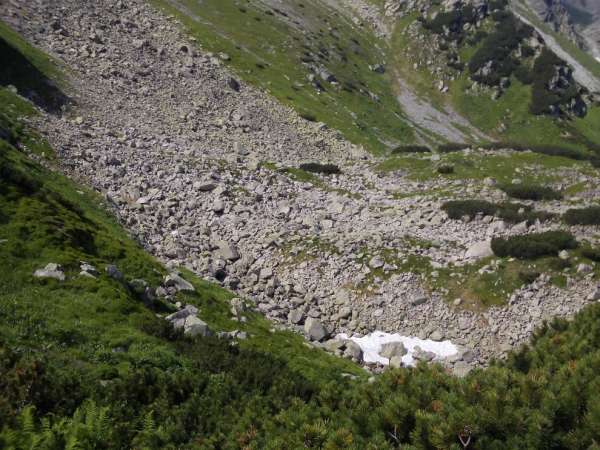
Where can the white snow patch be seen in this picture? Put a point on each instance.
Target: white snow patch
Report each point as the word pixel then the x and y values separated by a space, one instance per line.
pixel 371 346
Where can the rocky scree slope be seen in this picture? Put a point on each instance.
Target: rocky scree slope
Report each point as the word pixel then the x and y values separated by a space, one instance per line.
pixel 204 170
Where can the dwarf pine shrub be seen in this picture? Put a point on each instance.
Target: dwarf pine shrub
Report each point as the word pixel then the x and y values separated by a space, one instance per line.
pixel 534 245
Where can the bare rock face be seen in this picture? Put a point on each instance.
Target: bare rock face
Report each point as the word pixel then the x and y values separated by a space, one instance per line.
pixel 315 330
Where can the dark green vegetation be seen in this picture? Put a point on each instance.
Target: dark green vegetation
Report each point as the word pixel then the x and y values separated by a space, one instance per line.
pixel 325 169
pixel 550 150
pixel 445 169
pixel 28 70
pixel 497 48
pixel 534 245
pixel 591 253
pixel 531 192
pixel 583 216
pixel 543 101
pixel 510 212
pixel 279 48
pixel 411 149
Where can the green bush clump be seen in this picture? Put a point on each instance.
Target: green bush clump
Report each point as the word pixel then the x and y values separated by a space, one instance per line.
pixel 510 212
pixel 411 149
pixel 592 253
pixel 534 245
pixel 531 192
pixel 325 169
pixel 451 147
pixel 498 47
pixel 524 75
pixel 310 117
pixel 549 150
pixel 583 216
pixel 528 276
pixel 445 169
pixel 544 101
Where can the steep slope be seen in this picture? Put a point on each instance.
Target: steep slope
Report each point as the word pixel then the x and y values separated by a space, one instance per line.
pixel 87 359
pixel 447 52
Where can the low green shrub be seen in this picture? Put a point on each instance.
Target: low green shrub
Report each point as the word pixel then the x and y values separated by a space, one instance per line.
pixel 445 169
pixel 534 245
pixel 583 216
pixel 510 212
pixel 308 116
pixel 452 147
pixel 411 149
pixel 531 192
pixel 592 253
pixel 325 169
pixel 528 276
pixel 456 209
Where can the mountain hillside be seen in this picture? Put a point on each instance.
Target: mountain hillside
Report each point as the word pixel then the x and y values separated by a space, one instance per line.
pixel 579 20
pixel 313 224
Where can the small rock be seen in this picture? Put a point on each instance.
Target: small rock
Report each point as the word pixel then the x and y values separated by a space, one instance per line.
pixel 194 326
pixel 584 269
pixel 353 351
pixel 176 281
pixel 52 270
pixel 391 349
pixel 480 250
pixel 315 330
pixel 113 272
pixel 233 84
pixel 296 316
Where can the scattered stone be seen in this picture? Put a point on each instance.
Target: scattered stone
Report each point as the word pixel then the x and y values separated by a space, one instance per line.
pixel 88 270
pixel 391 349
pixel 480 250
pixel 113 272
pixel 52 270
pixel 176 281
pixel 315 330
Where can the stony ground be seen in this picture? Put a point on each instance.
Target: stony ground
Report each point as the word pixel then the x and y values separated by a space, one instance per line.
pixel 194 162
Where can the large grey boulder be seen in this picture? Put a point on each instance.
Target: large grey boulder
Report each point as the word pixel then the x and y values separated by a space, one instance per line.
pixel 175 280
pixel 227 251
pixel 353 351
pixel 296 316
pixel 52 270
pixel 194 326
pixel 480 250
pixel 392 349
pixel 315 330
pixel 189 310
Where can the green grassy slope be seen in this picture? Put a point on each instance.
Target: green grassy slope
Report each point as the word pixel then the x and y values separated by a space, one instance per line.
pixel 86 363
pixel 272 49
pixel 506 119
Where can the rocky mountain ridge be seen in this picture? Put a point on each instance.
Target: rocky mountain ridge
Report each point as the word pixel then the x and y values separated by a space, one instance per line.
pixel 578 20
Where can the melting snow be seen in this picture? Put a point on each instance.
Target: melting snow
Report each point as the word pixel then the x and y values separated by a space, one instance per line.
pixel 371 346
